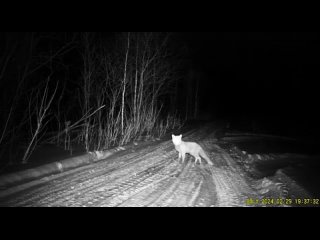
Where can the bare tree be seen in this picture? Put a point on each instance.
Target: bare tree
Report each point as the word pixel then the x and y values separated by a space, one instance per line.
pixel 41 111
pixel 124 83
pixel 23 59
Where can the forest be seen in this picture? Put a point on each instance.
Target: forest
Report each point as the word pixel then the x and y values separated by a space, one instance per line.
pixel 94 89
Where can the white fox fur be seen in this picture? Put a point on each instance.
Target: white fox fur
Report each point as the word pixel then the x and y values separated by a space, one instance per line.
pixel 191 148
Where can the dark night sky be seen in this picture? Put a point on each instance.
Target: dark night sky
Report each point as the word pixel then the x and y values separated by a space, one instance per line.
pixel 258 73
pixel 252 74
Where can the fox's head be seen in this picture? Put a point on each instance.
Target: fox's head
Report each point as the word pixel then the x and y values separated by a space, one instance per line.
pixel 176 139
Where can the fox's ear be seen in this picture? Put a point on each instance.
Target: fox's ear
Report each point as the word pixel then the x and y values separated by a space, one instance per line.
pixel 180 135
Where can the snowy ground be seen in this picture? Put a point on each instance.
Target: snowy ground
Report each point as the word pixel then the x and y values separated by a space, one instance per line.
pixel 151 175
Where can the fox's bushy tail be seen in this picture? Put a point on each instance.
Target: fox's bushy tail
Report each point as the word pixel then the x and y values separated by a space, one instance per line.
pixel 205 156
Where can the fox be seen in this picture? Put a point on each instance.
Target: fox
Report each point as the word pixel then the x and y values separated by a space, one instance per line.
pixel 191 148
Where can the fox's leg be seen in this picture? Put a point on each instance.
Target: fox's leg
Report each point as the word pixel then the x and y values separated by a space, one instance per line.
pixel 179 155
pixel 197 157
pixel 183 155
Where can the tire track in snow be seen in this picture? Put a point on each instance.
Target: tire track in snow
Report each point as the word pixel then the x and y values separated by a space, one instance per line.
pixel 81 182
pixel 152 176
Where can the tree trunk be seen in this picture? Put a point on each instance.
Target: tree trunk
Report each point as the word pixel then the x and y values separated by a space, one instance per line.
pixel 124 85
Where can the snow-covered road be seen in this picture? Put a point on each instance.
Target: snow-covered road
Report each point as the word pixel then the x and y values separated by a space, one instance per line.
pixel 149 176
